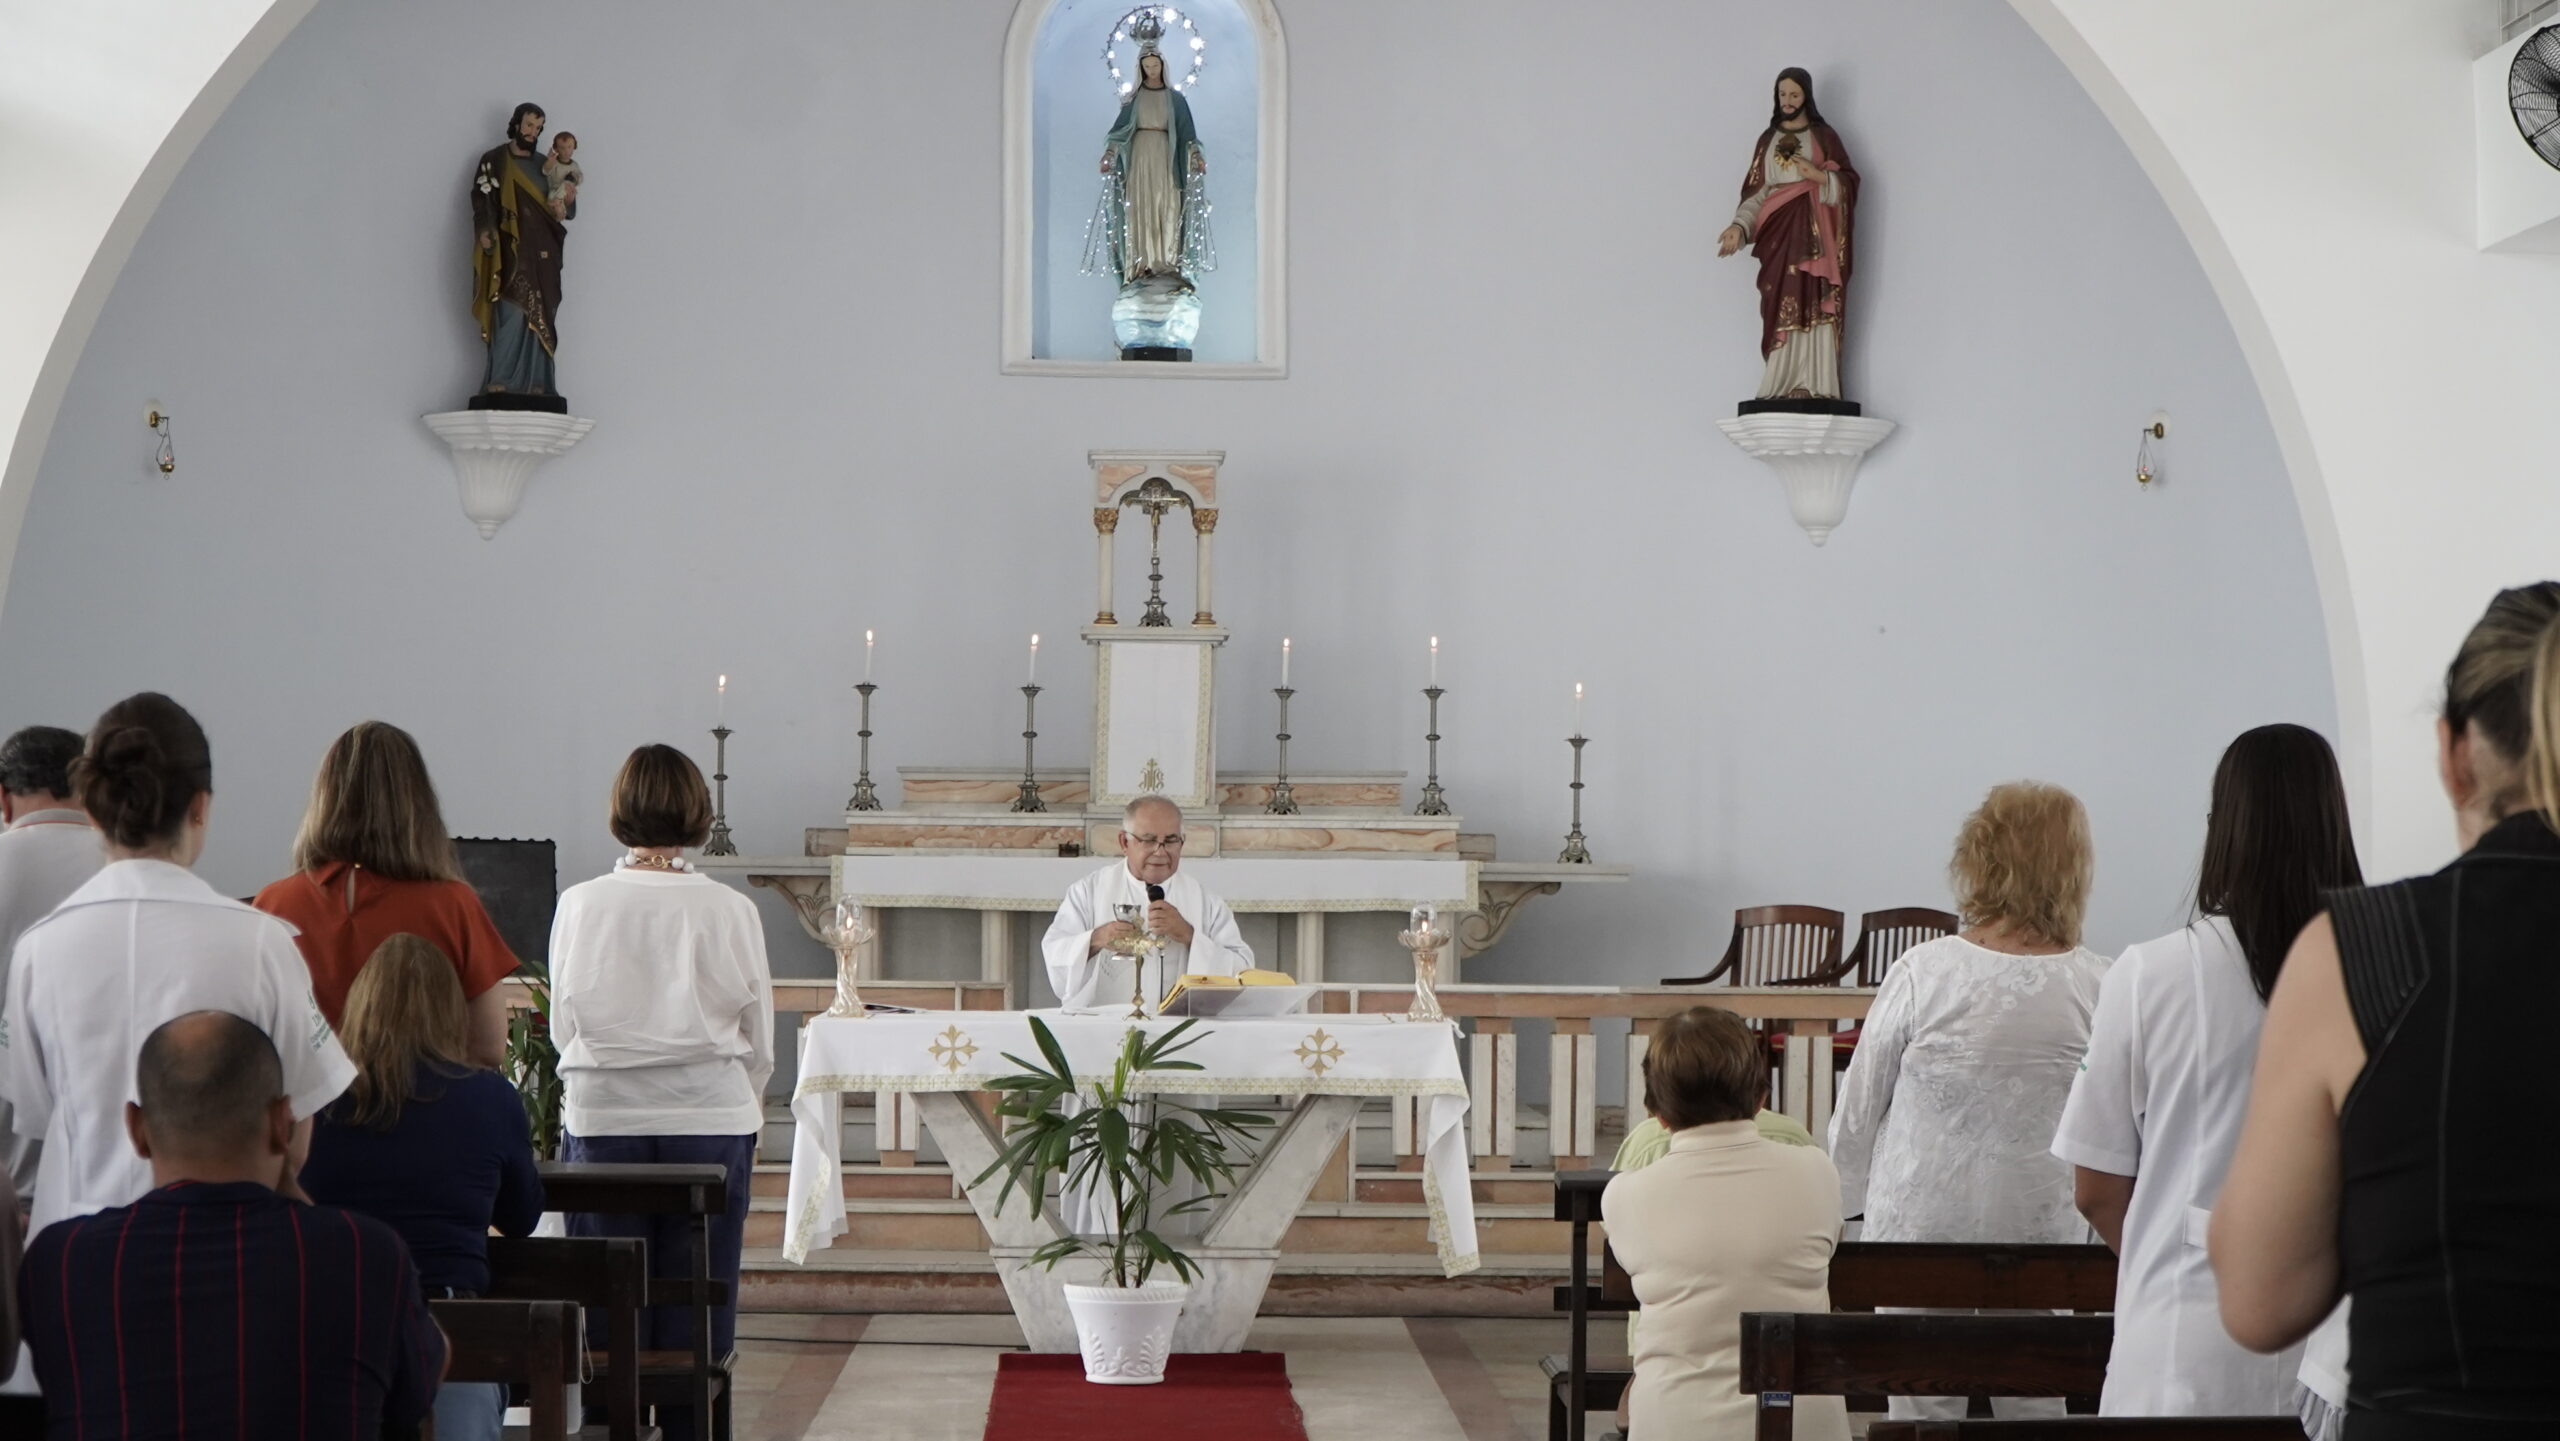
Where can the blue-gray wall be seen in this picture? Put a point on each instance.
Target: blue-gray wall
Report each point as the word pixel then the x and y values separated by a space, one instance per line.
pixel 1509 345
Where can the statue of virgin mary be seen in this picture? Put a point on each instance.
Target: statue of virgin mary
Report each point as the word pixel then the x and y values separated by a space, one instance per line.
pixel 1153 219
pixel 1150 230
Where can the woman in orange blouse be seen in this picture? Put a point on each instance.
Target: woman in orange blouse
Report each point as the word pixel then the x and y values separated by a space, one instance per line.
pixel 373 860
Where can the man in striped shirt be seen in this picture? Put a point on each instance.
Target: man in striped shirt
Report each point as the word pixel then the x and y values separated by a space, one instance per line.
pixel 224 1304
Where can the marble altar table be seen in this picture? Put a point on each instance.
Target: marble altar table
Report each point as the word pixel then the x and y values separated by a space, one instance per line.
pixel 1325 1065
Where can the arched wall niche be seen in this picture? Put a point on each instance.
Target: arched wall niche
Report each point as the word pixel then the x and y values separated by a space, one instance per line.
pixel 1058 103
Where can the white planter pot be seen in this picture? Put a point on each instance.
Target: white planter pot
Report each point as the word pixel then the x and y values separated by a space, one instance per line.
pixel 1126 1333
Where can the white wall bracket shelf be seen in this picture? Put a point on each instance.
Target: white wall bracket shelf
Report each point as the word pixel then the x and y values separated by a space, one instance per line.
pixel 495 453
pixel 1816 458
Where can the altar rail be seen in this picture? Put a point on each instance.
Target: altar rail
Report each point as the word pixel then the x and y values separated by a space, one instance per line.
pixel 1805 1019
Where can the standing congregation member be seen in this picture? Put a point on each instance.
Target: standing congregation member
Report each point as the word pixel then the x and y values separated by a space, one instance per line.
pixel 2397 1148
pixel 373 860
pixel 1725 1222
pixel 2157 1105
pixel 144 940
pixel 222 1303
pixel 1199 932
pixel 1949 1105
pixel 662 1007
pixel 428 1143
pixel 48 851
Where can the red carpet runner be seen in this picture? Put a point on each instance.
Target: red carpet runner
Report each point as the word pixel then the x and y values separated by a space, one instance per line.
pixel 1228 1398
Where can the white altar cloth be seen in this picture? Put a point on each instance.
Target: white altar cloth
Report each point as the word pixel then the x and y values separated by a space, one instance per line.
pixel 1038 883
pixel 1292 1056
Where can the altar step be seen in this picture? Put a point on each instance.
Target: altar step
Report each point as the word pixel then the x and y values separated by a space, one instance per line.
pixel 1322 1228
pixel 930 1181
pixel 851 1280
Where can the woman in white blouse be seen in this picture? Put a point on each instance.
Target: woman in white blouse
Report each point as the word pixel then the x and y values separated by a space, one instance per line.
pixel 143 941
pixel 2157 1108
pixel 662 1008
pixel 1967 1054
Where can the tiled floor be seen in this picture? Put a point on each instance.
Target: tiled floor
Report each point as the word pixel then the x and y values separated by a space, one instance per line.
pixel 927 1378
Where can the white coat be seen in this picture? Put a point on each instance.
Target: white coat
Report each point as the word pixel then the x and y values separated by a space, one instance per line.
pixel 2160 1098
pixel 142 943
pixel 1084 978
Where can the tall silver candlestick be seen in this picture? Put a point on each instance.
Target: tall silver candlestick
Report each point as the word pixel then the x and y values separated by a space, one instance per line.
pixel 1435 802
pixel 720 844
pixel 864 797
pixel 1283 802
pixel 1575 853
pixel 1029 800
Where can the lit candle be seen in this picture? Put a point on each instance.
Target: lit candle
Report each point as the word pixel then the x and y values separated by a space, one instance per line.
pixel 866 655
pixel 1032 675
pixel 722 690
pixel 1423 916
pixel 1435 660
pixel 1284 661
pixel 1577 707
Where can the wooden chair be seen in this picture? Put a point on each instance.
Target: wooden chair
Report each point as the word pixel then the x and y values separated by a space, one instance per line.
pixel 1776 946
pixel 2096 1428
pixel 1882 938
pixel 533 1344
pixel 1786 1355
pixel 695 1378
pixel 609 1275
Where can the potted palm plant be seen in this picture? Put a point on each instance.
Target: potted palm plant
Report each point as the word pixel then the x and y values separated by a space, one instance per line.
pixel 1126 1146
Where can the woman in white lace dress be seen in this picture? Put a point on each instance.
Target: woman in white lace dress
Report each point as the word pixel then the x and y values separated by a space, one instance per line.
pixel 1946 1116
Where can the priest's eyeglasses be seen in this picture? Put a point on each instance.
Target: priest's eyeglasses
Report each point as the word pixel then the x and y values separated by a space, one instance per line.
pixel 1156 843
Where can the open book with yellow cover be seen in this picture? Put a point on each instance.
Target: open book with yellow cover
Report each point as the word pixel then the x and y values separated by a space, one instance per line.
pixel 1253 993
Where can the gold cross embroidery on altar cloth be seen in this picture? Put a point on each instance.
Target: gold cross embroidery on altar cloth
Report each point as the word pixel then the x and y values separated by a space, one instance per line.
pixel 953 1049
pixel 1319 1053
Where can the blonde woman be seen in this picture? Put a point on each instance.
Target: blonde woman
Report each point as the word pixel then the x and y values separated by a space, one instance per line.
pixel 373 860
pixel 1967 1055
pixel 427 1143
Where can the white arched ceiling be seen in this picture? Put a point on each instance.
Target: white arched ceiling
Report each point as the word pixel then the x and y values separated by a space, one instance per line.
pixel 101 103
pixel 2319 157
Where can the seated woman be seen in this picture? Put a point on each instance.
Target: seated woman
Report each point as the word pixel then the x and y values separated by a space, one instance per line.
pixel 427 1143
pixel 2397 1147
pixel 1775 1220
pixel 662 1007
pixel 1947 1112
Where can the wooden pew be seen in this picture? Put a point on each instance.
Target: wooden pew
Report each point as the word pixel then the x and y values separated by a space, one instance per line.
pixel 534 1344
pixel 1864 1275
pixel 696 1379
pixel 2096 1428
pixel 1967 1276
pixel 610 1275
pixel 1785 1355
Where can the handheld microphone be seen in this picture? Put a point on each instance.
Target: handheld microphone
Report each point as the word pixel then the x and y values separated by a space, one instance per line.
pixel 1154 892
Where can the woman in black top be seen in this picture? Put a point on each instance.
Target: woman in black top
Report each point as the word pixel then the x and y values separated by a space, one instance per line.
pixel 2391 1152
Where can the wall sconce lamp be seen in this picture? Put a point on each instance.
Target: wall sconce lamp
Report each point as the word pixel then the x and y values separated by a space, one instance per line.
pixel 2146 467
pixel 166 458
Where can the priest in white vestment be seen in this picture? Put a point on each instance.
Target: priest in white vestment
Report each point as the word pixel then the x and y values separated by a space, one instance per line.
pixel 1198 931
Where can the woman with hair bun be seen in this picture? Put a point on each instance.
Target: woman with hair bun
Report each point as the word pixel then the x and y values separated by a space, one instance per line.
pixel 2396 1150
pixel 143 942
